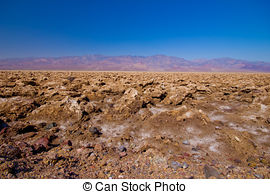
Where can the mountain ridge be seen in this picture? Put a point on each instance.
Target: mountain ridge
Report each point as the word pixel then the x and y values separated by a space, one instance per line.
pixel 134 63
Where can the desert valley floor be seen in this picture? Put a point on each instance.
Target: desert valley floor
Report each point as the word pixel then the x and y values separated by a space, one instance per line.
pixel 134 125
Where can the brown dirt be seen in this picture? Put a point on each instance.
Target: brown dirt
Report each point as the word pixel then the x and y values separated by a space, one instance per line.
pixel 134 125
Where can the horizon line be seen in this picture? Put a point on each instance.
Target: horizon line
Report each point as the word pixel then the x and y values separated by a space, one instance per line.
pixel 130 55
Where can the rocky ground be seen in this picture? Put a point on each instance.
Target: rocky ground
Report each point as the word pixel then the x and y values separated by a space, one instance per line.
pixel 134 125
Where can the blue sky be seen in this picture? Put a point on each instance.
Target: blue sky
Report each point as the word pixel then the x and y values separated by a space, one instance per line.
pixel 185 28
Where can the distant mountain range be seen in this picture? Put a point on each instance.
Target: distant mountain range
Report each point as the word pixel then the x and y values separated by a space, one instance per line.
pixel 134 63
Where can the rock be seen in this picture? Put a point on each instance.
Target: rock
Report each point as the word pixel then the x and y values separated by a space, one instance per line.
pixel 95 131
pixel 51 125
pixel 129 103
pixel 210 172
pixel 67 109
pixel 237 139
pixel 98 147
pixel 9 152
pixel 175 165
pixel 185 154
pixel 70 78
pixel 204 117
pixel 259 176
pixel 185 165
pixel 2 124
pixel 42 144
pixel 53 156
pixel 237 161
pixel 80 150
pixel 42 124
pixel 195 149
pixel 251 159
pixel 202 89
pixel 25 148
pixel 252 164
pixel 122 154
pixel 92 157
pixel 185 142
pixel 68 142
pixel 122 148
pixel 3 130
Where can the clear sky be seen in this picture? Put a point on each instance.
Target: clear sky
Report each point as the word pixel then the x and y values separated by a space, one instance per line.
pixel 185 28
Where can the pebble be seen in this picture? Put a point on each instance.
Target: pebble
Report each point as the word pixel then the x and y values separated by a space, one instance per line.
pixel 258 176
pixel 195 149
pixel 51 125
pixel 122 154
pixel 237 161
pixel 98 147
pixel 53 156
pixel 237 139
pixel 210 172
pixel 185 165
pixel 79 150
pixel 175 165
pixel 95 131
pixel 122 148
pixel 185 142
pixel 68 142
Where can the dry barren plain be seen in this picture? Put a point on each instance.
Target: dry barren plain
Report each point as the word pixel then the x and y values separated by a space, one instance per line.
pixel 134 125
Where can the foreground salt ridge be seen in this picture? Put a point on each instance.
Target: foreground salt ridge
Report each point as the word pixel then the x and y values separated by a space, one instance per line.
pixel 134 125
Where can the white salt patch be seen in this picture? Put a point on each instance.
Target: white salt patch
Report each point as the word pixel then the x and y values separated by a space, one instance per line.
pixel 263 139
pixel 190 129
pixel 265 130
pixel 108 100
pixel 225 108
pixel 248 128
pixel 263 107
pixel 112 130
pixel 193 130
pixel 200 98
pixel 157 110
pixel 145 135
pixel 214 147
pixel 250 117
pixel 141 111
pixel 216 117
pixel 209 141
pixel 238 128
pixel 189 114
